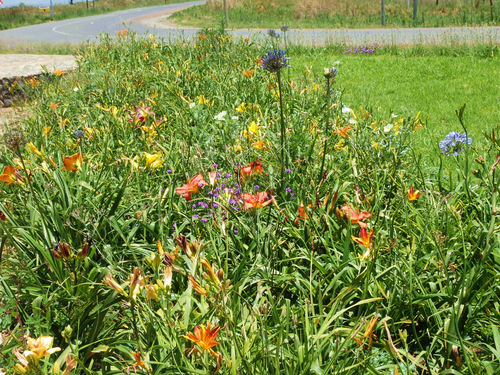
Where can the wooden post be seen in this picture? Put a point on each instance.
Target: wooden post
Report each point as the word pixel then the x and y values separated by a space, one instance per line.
pixel 383 13
pixel 414 10
pixel 225 13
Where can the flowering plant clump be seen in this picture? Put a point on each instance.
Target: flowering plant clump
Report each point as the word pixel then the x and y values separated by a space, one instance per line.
pixel 454 143
pixel 363 49
pixel 274 61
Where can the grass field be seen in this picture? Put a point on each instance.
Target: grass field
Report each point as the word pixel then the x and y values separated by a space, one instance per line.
pixel 221 208
pixel 341 13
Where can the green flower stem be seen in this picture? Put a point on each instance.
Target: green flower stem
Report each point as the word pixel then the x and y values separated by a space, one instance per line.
pixel 327 120
pixel 283 134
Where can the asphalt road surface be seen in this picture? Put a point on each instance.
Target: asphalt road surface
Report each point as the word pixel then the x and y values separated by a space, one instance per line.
pixel 88 29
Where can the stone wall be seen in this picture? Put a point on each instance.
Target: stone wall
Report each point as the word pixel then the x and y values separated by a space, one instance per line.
pixel 11 89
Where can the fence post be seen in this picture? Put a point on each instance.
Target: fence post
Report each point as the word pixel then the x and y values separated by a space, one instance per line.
pixel 383 13
pixel 414 10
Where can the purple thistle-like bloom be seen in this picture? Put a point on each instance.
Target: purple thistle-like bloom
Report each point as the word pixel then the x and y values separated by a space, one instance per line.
pixel 454 143
pixel 288 170
pixel 285 28
pixel 274 61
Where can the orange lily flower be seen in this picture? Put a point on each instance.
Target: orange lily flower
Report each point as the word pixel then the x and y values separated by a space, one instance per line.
pixel 196 286
pixel 255 201
pixel 204 337
pixel 248 73
pixel 10 175
pixel 354 215
pixel 343 132
pixel 73 163
pixel 192 186
pixel 413 194
pixel 59 72
pixel 253 168
pixel 302 214
pixel 365 239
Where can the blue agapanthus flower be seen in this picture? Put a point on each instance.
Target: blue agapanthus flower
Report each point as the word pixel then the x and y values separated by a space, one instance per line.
pixel 454 143
pixel 285 28
pixel 274 61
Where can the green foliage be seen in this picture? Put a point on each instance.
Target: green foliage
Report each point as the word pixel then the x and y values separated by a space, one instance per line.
pixel 112 260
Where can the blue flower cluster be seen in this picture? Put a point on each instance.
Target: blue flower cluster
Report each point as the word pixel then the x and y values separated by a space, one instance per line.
pixel 454 143
pixel 274 61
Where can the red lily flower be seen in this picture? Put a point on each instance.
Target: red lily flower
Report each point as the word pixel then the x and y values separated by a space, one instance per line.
pixel 413 194
pixel 364 239
pixel 192 186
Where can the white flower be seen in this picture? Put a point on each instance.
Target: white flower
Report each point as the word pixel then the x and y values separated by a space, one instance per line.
pixel 393 115
pixel 346 110
pixel 235 118
pixel 352 121
pixel 388 128
pixel 191 105
pixel 220 116
pixel 75 90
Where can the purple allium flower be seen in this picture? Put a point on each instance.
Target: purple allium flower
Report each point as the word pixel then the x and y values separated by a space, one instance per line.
pixel 288 170
pixel 203 219
pixel 256 187
pixel 232 202
pixel 235 231
pixel 288 190
pixel 215 205
pixel 454 143
pixel 196 216
pixel 169 171
pixel 284 28
pixel 215 165
pixel 274 61
pixel 200 203
pixel 194 206
pixel 272 33
pixel 227 175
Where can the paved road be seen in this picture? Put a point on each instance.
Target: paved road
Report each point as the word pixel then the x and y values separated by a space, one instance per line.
pixel 89 28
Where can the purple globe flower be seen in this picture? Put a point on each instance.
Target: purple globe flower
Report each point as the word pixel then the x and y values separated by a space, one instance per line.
pixel 454 143
pixel 274 61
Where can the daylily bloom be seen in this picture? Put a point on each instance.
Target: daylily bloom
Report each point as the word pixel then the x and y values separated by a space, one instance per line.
pixel 154 160
pixel 138 361
pixel 141 114
pixel 253 168
pixel 364 239
pixel 73 163
pixel 10 175
pixel 248 73
pixel 191 187
pixel 34 149
pixel 2 216
pixel 59 72
pixel 413 194
pixel 343 132
pixel 111 282
pixel 302 214
pixel 354 215
pixel 204 337
pixel 136 283
pixel 39 348
pixel 255 200
pixel 196 286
